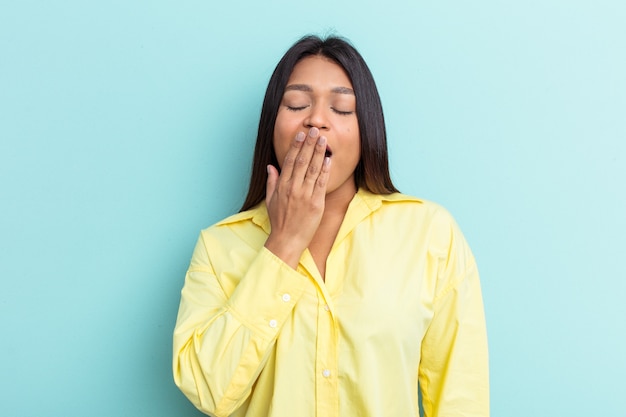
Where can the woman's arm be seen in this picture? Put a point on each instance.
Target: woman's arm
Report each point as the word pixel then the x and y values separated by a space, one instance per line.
pixel 454 372
pixel 222 340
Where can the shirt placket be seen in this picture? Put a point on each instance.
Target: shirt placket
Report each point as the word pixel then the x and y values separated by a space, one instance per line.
pixel 326 366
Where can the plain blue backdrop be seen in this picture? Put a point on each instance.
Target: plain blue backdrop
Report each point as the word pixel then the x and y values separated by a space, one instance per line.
pixel 126 127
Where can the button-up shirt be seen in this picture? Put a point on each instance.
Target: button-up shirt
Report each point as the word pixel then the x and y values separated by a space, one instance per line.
pixel 400 311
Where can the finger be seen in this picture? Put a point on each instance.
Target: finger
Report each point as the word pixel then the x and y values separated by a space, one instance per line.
pixel 321 183
pixel 272 178
pixel 303 159
pixel 317 160
pixel 290 158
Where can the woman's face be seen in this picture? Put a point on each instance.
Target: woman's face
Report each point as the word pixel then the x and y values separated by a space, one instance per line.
pixel 319 94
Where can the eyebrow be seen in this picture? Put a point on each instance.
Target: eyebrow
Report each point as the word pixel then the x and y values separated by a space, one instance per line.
pixel 308 89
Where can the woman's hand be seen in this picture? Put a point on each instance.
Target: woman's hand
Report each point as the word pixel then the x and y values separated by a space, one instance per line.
pixel 295 198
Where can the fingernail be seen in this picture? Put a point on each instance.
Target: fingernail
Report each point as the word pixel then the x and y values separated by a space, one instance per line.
pixel 313 132
pixel 327 160
pixel 321 140
pixel 300 137
pixel 268 169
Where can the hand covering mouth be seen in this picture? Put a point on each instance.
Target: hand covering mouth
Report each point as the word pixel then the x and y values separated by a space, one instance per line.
pixel 328 153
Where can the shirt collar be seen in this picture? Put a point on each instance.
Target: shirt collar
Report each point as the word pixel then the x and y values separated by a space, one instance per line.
pixel 363 204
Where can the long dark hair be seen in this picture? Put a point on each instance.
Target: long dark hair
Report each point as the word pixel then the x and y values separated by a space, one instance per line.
pixel 372 171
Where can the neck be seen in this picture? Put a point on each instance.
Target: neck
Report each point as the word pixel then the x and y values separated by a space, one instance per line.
pixel 337 201
pixel 335 209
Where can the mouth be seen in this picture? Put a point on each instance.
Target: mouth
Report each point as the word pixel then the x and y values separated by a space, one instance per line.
pixel 328 153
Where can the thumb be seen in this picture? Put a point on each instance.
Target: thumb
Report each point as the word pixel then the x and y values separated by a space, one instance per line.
pixel 272 177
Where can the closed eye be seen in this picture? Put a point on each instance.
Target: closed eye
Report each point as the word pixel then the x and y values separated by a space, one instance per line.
pixel 343 113
pixel 295 108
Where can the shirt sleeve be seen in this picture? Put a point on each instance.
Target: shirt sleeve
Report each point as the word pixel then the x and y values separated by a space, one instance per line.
pixel 221 340
pixel 453 373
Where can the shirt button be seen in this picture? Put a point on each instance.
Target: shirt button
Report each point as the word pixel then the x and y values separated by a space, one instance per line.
pixel 326 307
pixel 286 298
pixel 273 323
pixel 326 373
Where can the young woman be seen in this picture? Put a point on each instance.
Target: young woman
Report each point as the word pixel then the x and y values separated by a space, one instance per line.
pixel 330 293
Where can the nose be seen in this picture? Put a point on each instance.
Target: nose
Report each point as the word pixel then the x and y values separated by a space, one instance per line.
pixel 317 117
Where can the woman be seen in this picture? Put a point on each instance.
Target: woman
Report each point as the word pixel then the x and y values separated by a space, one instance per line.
pixel 330 293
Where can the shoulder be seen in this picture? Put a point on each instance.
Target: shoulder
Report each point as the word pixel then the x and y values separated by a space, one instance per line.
pixel 251 226
pixel 399 204
pixel 433 223
pixel 409 215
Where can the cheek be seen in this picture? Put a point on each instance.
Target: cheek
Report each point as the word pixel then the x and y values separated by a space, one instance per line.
pixel 280 141
pixel 285 129
pixel 278 150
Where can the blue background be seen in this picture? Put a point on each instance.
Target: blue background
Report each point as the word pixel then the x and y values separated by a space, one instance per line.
pixel 126 127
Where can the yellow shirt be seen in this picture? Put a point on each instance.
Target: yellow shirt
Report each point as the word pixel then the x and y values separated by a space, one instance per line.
pixel 401 303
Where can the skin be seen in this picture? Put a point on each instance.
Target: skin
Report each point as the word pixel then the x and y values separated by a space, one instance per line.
pixel 307 200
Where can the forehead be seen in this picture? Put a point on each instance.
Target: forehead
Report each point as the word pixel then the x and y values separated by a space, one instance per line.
pixel 319 71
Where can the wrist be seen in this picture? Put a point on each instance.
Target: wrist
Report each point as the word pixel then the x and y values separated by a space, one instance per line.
pixel 287 251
